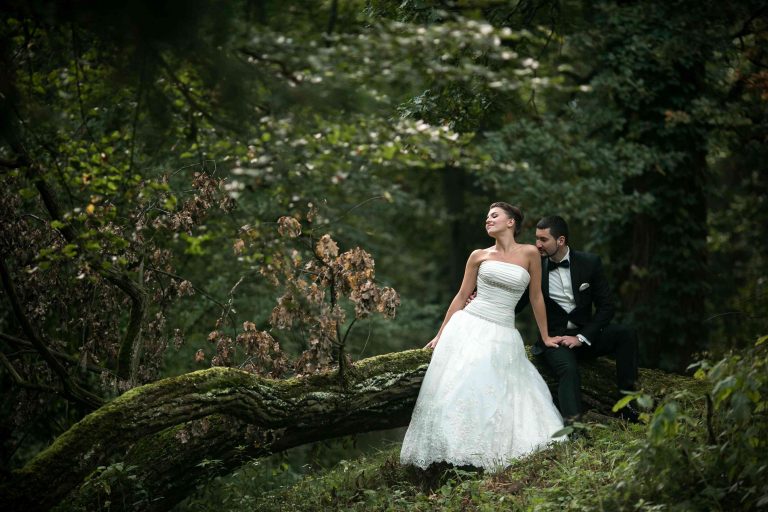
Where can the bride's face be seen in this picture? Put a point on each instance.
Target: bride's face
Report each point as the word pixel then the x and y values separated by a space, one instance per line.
pixel 497 221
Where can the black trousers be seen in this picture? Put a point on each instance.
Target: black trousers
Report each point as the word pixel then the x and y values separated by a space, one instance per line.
pixel 618 341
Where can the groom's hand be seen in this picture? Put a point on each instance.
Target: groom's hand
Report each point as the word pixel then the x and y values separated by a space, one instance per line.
pixel 571 342
pixel 553 342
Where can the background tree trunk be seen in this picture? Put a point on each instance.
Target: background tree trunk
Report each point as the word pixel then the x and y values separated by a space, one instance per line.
pixel 159 433
pixel 454 186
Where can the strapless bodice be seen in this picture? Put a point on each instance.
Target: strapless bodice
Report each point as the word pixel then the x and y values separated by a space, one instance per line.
pixel 499 286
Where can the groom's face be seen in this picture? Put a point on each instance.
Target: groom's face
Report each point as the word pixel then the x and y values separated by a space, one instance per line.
pixel 546 243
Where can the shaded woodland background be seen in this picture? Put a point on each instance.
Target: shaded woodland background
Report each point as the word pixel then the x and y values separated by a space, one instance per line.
pixel 149 148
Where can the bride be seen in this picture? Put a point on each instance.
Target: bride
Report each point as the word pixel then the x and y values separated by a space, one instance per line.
pixel 482 402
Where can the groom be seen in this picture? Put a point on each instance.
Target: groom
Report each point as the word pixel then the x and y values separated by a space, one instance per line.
pixel 579 307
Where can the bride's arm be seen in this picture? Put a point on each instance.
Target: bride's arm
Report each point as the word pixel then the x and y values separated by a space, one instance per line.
pixel 468 285
pixel 537 298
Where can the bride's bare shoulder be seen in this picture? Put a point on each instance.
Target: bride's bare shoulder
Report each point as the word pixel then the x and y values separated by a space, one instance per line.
pixel 531 255
pixel 478 255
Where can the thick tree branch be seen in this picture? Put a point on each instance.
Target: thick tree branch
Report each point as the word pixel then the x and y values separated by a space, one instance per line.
pixel 165 429
pixel 129 354
pixel 378 390
pixel 50 202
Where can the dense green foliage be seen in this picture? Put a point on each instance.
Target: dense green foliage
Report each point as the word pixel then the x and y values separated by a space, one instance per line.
pixel 707 452
pixel 148 149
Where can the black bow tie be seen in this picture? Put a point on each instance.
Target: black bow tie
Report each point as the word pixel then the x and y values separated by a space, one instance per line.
pixel 563 264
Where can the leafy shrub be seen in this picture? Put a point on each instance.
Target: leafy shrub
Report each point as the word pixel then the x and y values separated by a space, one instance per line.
pixel 705 453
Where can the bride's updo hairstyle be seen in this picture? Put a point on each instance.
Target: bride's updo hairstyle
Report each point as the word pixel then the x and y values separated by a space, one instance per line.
pixel 513 211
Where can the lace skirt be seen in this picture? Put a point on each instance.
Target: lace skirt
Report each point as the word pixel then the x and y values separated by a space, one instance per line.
pixel 482 403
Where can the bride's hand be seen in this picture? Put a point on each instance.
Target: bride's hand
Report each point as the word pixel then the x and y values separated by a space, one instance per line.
pixel 432 344
pixel 552 341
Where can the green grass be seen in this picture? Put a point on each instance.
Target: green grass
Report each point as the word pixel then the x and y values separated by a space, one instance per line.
pixel 704 448
pixel 569 476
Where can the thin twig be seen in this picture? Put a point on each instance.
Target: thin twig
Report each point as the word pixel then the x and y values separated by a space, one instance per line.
pixel 232 291
pixel 32 215
pixel 284 71
pixel 367 339
pixel 751 317
pixel 226 309
pixel 12 164
pixel 346 333
pixel 71 388
pixel 76 58
pixel 68 358
pixel 19 380
pixel 182 88
pixel 745 27
pixel 358 205
pixel 196 288
pixel 137 110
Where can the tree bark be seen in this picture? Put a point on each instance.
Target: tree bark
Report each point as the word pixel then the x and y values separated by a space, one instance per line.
pixel 162 431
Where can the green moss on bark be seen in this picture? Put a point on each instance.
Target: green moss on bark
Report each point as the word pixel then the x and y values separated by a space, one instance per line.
pixel 163 430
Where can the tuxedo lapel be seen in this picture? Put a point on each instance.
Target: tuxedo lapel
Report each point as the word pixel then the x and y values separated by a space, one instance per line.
pixel 545 277
pixel 576 273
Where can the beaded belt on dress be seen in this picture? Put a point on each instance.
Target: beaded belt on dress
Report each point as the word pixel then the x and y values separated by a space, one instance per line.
pixel 509 323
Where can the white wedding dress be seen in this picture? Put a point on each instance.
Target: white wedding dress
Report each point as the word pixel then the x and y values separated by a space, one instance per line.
pixel 482 403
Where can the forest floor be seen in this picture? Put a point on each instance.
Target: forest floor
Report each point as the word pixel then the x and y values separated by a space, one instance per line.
pixel 674 461
pixel 568 476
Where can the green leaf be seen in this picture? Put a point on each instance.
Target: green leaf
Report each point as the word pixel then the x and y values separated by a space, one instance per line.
pixel 565 431
pixel 645 401
pixel 27 193
pixel 69 250
pixel 622 403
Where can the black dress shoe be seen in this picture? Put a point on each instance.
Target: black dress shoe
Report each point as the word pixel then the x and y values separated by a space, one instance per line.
pixel 629 413
pixel 573 421
pixel 579 434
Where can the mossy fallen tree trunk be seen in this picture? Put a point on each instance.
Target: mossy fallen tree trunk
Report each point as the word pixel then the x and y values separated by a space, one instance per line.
pixel 143 450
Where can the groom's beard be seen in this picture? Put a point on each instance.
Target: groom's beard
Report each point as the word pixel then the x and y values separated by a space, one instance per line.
pixel 543 252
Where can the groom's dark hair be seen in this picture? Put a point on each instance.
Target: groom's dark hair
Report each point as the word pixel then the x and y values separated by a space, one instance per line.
pixel 556 226
pixel 513 211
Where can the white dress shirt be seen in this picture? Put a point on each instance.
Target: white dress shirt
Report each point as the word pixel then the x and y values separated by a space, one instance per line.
pixel 561 291
pixel 560 288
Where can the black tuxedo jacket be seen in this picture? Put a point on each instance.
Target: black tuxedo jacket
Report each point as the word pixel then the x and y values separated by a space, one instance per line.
pixel 595 305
